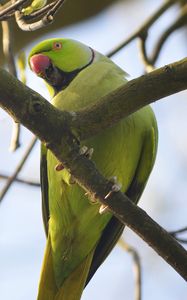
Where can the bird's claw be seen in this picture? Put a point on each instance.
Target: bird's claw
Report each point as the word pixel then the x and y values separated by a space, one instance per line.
pixel 103 208
pixel 115 188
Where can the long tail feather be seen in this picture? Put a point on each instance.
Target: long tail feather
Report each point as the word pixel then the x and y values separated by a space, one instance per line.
pixel 47 286
pixel 71 288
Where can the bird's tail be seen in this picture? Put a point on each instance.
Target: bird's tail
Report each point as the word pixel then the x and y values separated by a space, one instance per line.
pixel 73 285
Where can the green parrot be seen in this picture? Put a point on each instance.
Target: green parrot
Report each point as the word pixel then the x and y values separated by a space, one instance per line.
pixel 79 238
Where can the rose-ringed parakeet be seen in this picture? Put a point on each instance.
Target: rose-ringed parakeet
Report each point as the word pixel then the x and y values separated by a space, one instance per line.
pixel 78 237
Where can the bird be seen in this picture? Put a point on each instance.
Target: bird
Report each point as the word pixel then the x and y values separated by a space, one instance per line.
pixel 81 234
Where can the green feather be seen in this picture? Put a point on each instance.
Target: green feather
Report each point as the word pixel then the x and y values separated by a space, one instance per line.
pixel 76 231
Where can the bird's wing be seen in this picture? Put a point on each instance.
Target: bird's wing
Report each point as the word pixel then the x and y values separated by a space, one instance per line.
pixel 44 187
pixel 114 228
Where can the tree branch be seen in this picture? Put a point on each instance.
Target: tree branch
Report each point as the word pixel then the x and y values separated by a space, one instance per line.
pixel 143 30
pixel 178 232
pixel 40 12
pixel 52 127
pixel 130 97
pixel 7 41
pixel 19 167
pixel 47 19
pixel 178 23
pixel 22 181
pixel 136 268
pixel 11 7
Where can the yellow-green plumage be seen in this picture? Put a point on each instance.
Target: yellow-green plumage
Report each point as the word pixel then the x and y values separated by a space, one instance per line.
pixel 76 231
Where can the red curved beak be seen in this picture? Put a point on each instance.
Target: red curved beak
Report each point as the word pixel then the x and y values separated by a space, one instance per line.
pixel 39 63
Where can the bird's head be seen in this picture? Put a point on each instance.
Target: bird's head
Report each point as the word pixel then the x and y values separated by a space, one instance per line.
pixel 58 61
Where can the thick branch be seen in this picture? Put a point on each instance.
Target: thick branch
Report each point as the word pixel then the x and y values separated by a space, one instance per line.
pixel 130 97
pixel 51 126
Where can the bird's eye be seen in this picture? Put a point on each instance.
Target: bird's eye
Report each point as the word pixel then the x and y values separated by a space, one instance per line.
pixel 57 45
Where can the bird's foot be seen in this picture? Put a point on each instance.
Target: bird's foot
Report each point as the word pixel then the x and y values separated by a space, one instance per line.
pixel 87 152
pixel 72 179
pixel 92 198
pixel 115 188
pixel 73 115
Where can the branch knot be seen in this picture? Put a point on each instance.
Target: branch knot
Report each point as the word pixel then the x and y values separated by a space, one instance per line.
pixel 169 70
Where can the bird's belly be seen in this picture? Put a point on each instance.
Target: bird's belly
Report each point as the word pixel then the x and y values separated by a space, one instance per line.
pixel 75 225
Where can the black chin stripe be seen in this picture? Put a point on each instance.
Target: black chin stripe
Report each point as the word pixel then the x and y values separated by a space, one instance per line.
pixel 67 77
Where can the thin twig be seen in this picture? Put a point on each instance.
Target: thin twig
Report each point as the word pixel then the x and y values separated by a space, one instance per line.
pixel 7 47
pixel 182 241
pixel 123 44
pixel 150 62
pixel 11 7
pixel 40 12
pixel 14 141
pixel 6 17
pixel 181 230
pixel 20 180
pixel 55 8
pixel 33 26
pixel 46 20
pixel 8 52
pixel 181 21
pixel 176 232
pixel 18 169
pixel 143 53
pixel 136 268
pixel 144 28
